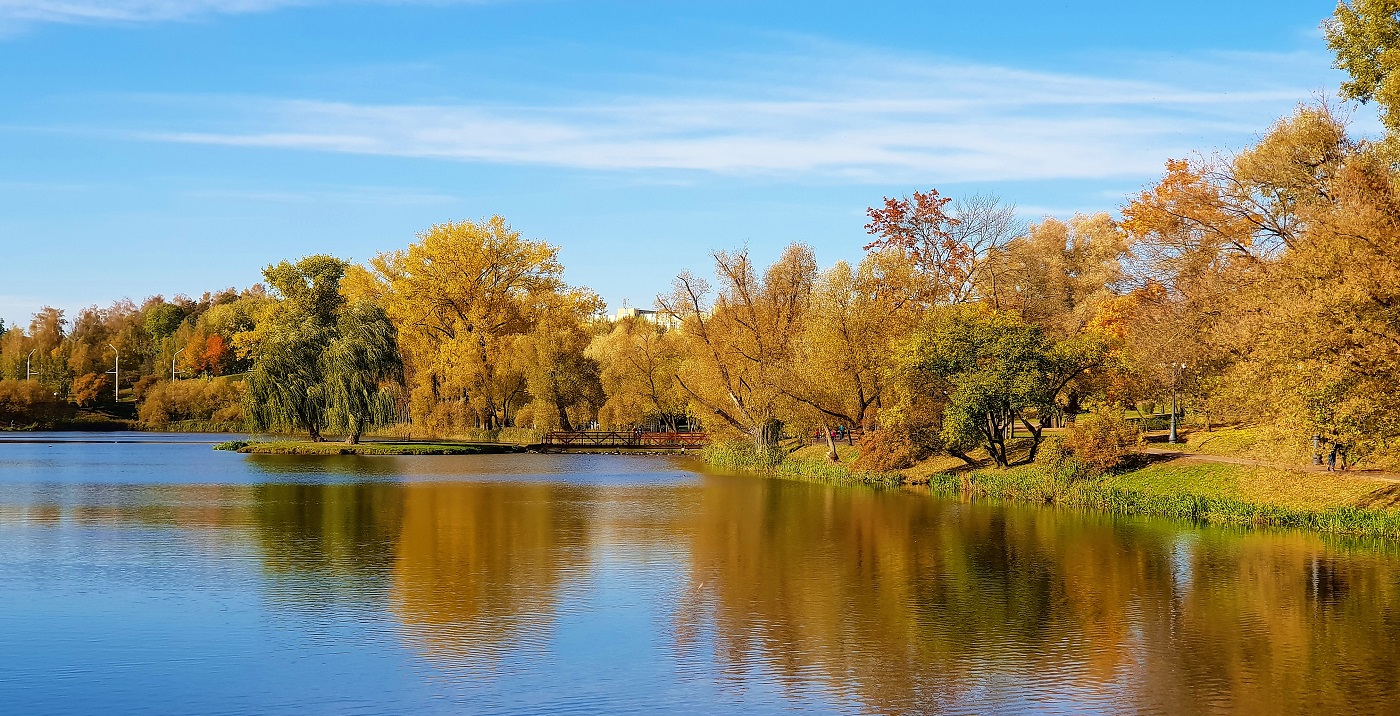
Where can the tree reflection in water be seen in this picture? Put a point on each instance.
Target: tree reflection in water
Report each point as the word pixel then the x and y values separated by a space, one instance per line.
pixel 468 568
pixel 911 604
pixel 328 542
pixel 480 565
pixel 896 601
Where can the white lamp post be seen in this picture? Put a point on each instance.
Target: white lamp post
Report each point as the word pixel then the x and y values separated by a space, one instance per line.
pixel 28 365
pixel 174 372
pixel 1176 379
pixel 116 375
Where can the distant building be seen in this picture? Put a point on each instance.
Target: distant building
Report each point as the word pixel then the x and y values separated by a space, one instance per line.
pixel 657 317
pixel 629 312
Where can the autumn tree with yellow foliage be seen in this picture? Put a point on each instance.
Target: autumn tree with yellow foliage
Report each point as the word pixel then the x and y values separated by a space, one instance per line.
pixel 462 296
pixel 741 341
pixel 1276 272
pixel 639 360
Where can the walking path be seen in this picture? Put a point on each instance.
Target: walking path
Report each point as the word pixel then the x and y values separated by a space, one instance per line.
pixel 1180 455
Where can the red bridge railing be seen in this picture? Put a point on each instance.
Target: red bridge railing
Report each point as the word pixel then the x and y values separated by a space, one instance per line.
pixel 625 439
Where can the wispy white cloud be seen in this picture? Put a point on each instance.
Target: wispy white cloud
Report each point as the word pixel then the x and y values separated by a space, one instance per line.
pixel 347 195
pixel 74 11
pixel 848 115
pixel 138 11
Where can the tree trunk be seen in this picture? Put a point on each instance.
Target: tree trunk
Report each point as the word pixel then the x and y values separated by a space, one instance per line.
pixel 1036 437
pixel 559 406
pixel 994 434
pixel 999 457
pixel 830 445
pixel 1073 404
pixel 767 433
pixel 354 437
pixel 996 450
pixel 315 431
pixel 962 456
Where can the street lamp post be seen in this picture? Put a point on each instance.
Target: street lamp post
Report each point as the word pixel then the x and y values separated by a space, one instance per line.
pixel 28 365
pixel 174 372
pixel 1176 378
pixel 116 372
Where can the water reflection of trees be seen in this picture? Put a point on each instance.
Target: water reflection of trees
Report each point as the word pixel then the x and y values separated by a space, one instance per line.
pixel 902 602
pixel 480 566
pixel 468 568
pixel 343 529
pixel 910 604
pixel 1283 624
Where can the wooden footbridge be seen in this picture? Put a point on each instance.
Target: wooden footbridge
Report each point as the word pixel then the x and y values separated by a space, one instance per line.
pixel 622 440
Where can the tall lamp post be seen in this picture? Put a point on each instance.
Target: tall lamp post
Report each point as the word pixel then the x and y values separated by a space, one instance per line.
pixel 1177 368
pixel 116 372
pixel 29 365
pixel 174 372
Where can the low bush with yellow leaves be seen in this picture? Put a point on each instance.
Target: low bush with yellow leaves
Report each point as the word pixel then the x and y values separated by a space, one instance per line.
pixel 216 400
pixel 886 450
pixel 1102 441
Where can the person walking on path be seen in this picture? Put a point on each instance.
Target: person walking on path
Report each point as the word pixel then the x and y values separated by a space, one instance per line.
pixel 1332 458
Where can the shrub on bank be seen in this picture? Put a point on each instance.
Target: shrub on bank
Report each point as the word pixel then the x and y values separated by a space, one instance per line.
pixel 504 436
pixel 208 401
pixel 507 436
pixel 887 450
pixel 24 403
pixel 1102 440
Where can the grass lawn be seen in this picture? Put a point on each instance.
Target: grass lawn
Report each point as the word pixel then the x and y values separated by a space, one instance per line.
pixel 1262 485
pixel 1233 442
pixel 1183 488
pixel 1202 491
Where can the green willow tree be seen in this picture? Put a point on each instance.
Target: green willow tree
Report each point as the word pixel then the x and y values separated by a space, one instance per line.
pixel 322 365
pixel 360 372
pixel 990 370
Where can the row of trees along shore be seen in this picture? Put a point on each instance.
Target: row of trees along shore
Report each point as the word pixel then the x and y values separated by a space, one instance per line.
pixel 1261 286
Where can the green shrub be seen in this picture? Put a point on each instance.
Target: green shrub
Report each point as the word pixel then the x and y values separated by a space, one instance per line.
pixel 743 455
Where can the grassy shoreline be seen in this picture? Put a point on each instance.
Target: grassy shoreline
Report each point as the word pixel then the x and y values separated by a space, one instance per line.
pixel 1176 490
pixel 306 447
pixel 804 464
pixel 1187 489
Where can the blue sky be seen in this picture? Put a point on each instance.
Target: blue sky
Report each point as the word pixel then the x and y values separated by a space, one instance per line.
pixel 178 146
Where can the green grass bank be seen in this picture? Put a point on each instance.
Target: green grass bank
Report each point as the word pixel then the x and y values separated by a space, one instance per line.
pixel 1188 489
pixel 294 447
pixel 808 463
pixel 1201 492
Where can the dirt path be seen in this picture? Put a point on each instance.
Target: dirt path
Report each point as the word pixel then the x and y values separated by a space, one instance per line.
pixel 1179 455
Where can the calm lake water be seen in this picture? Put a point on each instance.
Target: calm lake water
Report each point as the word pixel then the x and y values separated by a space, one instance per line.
pixel 163 577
